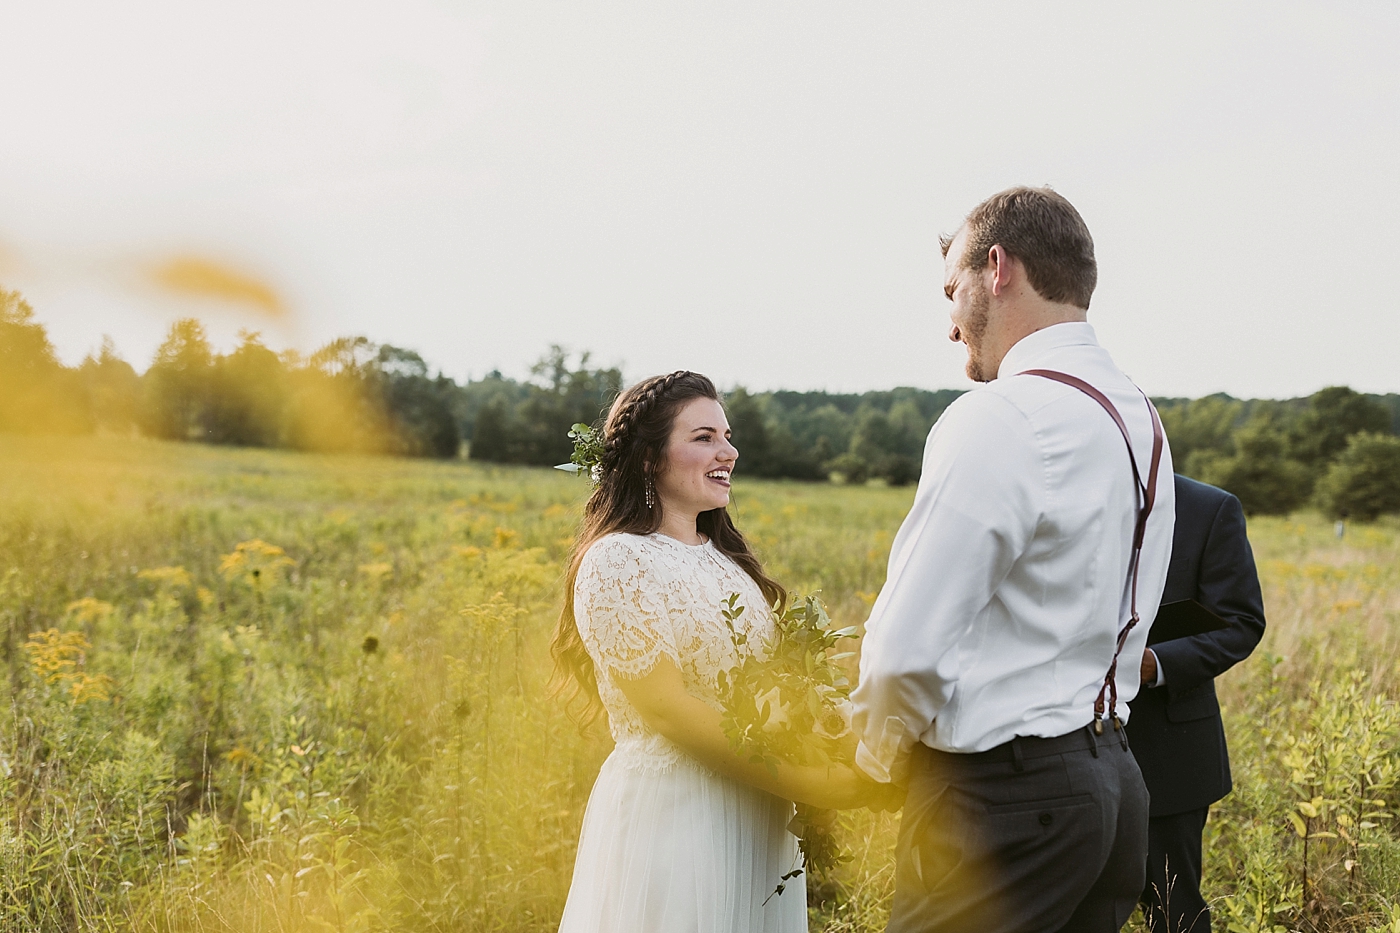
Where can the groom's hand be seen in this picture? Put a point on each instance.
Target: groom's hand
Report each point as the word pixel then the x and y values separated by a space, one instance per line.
pixel 888 797
pixel 1149 668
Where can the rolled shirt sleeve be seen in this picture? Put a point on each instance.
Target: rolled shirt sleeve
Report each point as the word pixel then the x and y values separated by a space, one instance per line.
pixel 976 509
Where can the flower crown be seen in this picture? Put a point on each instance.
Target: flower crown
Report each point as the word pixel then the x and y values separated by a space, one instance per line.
pixel 587 458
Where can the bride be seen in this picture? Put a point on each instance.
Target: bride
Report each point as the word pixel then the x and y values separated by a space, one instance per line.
pixel 680 835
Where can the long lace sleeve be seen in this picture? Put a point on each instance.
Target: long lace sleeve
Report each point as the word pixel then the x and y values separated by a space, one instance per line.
pixel 621 609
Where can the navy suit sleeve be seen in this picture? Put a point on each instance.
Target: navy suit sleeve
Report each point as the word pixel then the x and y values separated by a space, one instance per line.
pixel 1228 585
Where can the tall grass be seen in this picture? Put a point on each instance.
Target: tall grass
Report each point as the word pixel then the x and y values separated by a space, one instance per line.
pixel 262 691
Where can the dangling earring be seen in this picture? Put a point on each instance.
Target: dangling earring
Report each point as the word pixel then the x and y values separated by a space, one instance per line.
pixel 650 493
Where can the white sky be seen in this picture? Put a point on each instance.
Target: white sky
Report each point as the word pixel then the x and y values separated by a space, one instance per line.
pixel 751 190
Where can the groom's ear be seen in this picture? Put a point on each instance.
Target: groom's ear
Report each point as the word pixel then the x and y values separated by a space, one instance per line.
pixel 999 263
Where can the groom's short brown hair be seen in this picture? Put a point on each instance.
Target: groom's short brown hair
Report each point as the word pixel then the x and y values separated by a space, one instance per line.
pixel 1043 230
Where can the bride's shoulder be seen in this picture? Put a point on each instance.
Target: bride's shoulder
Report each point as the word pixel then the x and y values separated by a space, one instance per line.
pixel 616 551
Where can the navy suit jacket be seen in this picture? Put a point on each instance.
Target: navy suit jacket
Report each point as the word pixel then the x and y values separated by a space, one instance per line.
pixel 1175 729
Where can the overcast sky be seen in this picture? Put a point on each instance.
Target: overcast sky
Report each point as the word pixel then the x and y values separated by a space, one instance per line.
pixel 750 190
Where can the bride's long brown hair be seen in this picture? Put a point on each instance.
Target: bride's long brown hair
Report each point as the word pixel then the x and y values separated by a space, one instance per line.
pixel 635 437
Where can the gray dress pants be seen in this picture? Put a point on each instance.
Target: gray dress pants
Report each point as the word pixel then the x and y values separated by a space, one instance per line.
pixel 1034 836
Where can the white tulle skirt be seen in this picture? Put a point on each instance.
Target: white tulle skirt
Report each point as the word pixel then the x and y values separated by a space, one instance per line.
pixel 682 850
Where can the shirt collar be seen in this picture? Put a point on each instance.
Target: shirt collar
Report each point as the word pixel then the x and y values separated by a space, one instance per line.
pixel 1033 348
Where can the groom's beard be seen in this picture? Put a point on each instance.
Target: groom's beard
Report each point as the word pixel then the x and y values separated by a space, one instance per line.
pixel 974 332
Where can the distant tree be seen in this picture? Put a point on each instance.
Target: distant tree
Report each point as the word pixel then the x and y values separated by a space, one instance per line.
pixel 875 441
pixel 491 435
pixel 889 444
pixel 37 393
pixel 1391 403
pixel 469 399
pixel 750 429
pixel 1363 482
pixel 1333 415
pixel 1259 473
pixel 1203 424
pixel 420 407
pixel 849 468
pixel 791 457
pixel 113 389
pixel 535 431
pixel 248 396
pixel 824 429
pixel 25 351
pixel 176 388
pixel 336 403
pixel 878 434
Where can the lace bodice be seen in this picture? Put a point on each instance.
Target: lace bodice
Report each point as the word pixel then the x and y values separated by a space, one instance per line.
pixel 639 598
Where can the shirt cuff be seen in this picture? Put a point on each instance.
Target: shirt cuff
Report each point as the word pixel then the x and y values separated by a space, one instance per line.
pixel 887 764
pixel 872 766
pixel 1161 673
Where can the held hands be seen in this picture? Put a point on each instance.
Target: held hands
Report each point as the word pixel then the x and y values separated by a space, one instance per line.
pixel 864 792
pixel 842 787
pixel 888 797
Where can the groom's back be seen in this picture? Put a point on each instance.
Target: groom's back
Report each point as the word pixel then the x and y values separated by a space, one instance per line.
pixel 1039 468
pixel 1066 597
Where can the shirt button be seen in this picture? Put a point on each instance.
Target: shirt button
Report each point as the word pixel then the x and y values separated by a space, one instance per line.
pixel 1046 819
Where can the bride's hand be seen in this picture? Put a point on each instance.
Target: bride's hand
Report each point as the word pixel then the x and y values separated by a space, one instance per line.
pixel 842 787
pixel 888 797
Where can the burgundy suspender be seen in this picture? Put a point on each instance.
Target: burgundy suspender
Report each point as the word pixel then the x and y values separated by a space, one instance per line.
pixel 1146 497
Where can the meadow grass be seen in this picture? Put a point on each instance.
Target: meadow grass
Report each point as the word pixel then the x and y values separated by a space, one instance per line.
pixel 264 691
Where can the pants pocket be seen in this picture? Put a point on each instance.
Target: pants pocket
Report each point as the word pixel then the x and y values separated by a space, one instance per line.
pixel 929 839
pixel 1042 831
pixel 1049 805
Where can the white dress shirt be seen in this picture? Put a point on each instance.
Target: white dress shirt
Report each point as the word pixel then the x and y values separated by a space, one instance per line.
pixel 1008 581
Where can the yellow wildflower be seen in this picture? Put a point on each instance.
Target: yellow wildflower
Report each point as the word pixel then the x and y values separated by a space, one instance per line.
pixel 254 562
pixel 88 610
pixel 163 577
pixel 57 658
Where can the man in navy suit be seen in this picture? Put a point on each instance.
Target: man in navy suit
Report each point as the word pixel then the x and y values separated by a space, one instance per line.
pixel 1175 729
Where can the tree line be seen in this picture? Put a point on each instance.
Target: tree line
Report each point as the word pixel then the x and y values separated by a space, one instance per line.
pixel 350 396
pixel 1337 448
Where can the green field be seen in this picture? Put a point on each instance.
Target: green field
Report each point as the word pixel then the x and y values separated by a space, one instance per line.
pixel 255 690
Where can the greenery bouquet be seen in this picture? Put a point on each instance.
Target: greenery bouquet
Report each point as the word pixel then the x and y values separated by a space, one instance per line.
pixel 788 700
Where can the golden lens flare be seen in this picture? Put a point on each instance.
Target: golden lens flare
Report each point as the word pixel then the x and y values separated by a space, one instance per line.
pixel 202 277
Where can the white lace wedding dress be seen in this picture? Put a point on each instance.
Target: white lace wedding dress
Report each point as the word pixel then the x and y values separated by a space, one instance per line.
pixel 669 846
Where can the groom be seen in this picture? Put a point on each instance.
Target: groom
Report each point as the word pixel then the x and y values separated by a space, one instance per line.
pixel 989 658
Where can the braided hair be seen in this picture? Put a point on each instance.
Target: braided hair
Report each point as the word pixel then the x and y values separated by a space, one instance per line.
pixel 635 436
